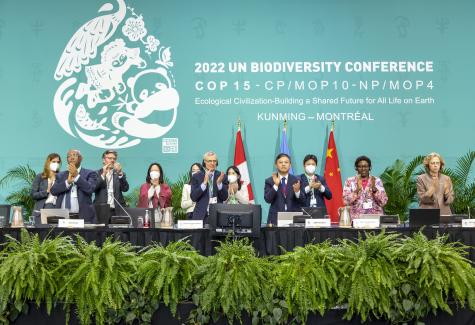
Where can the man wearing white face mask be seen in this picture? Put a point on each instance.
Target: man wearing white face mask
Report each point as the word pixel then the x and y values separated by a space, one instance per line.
pixel 315 187
pixel 237 194
pixel 41 187
pixel 154 193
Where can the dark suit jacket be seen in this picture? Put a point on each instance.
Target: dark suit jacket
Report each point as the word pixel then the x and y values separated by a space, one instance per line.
pixel 318 195
pixel 86 185
pixel 120 185
pixel 202 197
pixel 278 201
pixel 38 192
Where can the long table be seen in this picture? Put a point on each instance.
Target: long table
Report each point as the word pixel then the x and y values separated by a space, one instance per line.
pixel 272 240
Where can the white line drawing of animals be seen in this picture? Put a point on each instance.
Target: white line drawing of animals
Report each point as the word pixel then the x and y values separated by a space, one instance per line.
pixel 104 80
pixel 83 45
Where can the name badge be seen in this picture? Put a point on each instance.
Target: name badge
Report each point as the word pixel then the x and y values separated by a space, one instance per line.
pixel 213 200
pixel 468 223
pixel 71 223
pixel 365 223
pixel 313 202
pixel 190 224
pixel 368 205
pixel 317 223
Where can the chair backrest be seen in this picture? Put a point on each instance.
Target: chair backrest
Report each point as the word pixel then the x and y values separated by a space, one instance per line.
pixel 5 210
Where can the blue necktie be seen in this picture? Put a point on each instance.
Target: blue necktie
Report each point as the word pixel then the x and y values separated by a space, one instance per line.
pixel 283 186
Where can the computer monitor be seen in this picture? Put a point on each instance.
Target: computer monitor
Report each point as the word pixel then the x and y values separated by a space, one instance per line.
pixel 242 220
pixel 424 217
pixel 51 216
pixel 135 213
pixel 314 212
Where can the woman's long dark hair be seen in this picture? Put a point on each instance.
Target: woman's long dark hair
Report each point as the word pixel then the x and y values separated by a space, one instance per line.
pixel 238 173
pixel 191 167
pixel 160 179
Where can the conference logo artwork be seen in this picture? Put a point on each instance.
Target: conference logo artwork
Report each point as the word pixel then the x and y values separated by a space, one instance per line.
pixel 116 85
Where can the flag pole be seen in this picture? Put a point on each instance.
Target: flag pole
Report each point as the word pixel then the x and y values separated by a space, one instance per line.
pixel 333 125
pixel 239 123
pixel 285 124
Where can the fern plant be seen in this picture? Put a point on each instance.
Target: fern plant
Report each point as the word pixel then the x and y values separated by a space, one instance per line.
pixel 98 278
pixel 308 279
pixel 21 179
pixel 463 181
pixel 367 275
pixel 168 273
pixel 132 198
pixel 400 185
pixel 433 271
pixel 232 281
pixel 29 270
pixel 177 189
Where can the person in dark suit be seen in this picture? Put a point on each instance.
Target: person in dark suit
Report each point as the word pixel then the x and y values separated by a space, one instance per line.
pixel 314 185
pixel 111 182
pixel 207 187
pixel 41 187
pixel 74 188
pixel 282 190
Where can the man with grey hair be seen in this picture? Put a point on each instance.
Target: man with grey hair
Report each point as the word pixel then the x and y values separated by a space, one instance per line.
pixel 74 188
pixel 207 187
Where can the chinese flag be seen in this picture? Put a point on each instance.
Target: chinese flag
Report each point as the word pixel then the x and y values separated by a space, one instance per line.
pixel 333 178
pixel 241 163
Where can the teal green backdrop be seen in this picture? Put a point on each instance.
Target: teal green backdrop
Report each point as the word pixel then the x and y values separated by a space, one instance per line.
pixel 34 34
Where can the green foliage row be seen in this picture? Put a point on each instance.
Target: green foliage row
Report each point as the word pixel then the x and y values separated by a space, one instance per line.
pixel 382 276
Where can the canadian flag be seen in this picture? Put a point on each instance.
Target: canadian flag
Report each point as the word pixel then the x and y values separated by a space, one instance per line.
pixel 241 163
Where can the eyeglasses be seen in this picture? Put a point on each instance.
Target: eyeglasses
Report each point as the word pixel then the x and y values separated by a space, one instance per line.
pixel 435 162
pixel 211 161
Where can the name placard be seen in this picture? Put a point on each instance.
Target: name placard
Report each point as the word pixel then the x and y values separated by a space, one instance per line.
pixel 71 223
pixel 284 223
pixel 317 223
pixel 365 223
pixel 190 224
pixel 468 223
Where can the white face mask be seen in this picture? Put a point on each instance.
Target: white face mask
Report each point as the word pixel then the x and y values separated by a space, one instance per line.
pixel 154 174
pixel 54 166
pixel 232 178
pixel 310 169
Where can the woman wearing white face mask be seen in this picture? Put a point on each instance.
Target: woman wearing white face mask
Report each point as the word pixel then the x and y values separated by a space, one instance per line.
pixel 237 194
pixel 154 193
pixel 40 189
pixel 186 201
pixel 314 185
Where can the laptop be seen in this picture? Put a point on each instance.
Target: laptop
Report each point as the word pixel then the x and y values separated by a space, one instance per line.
pixel 424 217
pixel 51 216
pixel 285 219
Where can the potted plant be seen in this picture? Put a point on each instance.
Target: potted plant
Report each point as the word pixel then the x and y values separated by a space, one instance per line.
pixel 22 178
pixel 464 184
pixel 400 185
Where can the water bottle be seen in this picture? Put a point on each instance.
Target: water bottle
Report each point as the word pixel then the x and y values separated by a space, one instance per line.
pixel 146 221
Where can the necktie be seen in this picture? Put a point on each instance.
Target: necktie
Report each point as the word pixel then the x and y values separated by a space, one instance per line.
pixel 67 197
pixel 283 186
pixel 211 184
